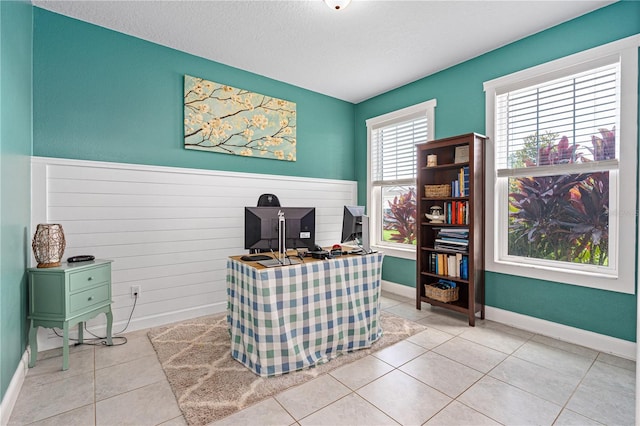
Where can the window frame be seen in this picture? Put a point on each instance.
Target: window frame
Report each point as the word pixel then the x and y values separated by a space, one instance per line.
pixel 620 277
pixel 374 193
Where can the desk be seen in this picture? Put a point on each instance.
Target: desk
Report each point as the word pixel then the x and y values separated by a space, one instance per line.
pixel 289 318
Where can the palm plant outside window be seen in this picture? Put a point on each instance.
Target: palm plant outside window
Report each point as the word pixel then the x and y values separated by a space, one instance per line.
pixel 557 155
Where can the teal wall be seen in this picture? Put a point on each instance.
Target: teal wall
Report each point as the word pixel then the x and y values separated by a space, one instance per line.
pixel 461 109
pixel 102 95
pixel 15 181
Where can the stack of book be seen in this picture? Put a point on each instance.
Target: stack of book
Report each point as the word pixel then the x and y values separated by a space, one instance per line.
pixel 452 239
pixel 456 264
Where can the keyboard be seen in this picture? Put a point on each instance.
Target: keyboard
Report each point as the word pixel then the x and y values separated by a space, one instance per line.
pixel 255 257
pixel 271 263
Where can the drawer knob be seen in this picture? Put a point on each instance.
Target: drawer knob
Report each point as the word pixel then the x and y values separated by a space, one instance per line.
pixel 89 279
pixel 90 298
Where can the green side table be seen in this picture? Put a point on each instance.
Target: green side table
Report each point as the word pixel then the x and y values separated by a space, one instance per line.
pixel 65 296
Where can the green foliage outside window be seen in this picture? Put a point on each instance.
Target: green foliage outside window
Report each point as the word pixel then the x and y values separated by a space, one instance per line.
pixel 562 217
pixel 399 218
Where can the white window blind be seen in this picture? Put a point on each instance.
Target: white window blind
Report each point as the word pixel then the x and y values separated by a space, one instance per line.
pixel 576 106
pixel 393 151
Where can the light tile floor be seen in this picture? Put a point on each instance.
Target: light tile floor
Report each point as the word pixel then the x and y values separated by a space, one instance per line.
pixel 449 374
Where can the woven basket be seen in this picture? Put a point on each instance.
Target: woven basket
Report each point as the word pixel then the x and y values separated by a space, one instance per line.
pixel 431 191
pixel 435 293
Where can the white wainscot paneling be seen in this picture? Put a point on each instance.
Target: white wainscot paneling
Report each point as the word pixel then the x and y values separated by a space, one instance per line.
pixel 168 230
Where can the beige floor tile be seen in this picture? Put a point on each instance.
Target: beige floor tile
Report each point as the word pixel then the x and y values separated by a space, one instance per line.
pixel 603 404
pixel 508 404
pixel 554 386
pixel 494 339
pixel 267 412
pixel 565 346
pixel 399 353
pixel 403 398
pixel 128 376
pixel 83 416
pixel 430 338
pixel 50 369
pixel 137 346
pixel 471 354
pixel 351 410
pixel 459 414
pixel 569 418
pixel 627 364
pixel 361 372
pixel 444 321
pixel 441 373
pixel 408 311
pixel 40 401
pixel 305 399
pixel 554 358
pixel 150 405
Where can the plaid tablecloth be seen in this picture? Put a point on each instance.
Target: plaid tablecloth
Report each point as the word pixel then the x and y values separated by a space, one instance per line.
pixel 290 318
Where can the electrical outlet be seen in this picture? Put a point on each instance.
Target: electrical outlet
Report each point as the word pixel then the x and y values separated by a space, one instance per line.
pixel 135 291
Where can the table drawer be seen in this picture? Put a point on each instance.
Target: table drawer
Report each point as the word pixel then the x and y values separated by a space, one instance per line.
pixel 89 278
pixel 85 300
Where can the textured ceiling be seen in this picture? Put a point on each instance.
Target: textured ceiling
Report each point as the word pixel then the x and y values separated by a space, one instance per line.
pixel 354 54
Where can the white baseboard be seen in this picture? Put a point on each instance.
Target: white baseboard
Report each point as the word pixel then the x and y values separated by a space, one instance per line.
pixel 54 341
pixel 598 342
pixel 11 395
pixel 399 289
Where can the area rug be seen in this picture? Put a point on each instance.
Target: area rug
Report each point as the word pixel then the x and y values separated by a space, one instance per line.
pixel 209 384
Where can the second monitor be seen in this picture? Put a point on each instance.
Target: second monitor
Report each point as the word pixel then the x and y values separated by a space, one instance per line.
pixel 355 227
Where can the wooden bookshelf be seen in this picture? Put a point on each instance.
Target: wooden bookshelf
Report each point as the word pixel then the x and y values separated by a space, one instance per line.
pixel 452 250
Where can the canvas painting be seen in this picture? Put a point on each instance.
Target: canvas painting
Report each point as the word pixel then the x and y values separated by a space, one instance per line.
pixel 224 119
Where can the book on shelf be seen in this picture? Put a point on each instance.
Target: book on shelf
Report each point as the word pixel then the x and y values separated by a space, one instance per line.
pixel 456 212
pixel 452 265
pixel 460 185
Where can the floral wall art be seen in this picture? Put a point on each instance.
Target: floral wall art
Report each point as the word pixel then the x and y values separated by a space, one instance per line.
pixel 221 118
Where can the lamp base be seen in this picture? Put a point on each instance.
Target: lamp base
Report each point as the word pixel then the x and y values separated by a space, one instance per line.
pixel 48 265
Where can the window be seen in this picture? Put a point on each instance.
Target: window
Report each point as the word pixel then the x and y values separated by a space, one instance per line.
pixel 392 176
pixel 564 140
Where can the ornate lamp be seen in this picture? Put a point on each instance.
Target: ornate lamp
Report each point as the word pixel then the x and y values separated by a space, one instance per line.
pixel 48 245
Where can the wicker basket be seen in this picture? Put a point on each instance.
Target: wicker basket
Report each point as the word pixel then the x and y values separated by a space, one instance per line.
pixel 432 191
pixel 435 293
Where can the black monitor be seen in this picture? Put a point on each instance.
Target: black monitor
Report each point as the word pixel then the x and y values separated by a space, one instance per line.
pixel 261 227
pixel 352 223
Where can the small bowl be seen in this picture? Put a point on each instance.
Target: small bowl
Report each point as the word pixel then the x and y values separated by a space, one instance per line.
pixel 435 218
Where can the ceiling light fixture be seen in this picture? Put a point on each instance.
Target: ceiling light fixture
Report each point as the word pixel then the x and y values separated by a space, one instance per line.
pixel 337 4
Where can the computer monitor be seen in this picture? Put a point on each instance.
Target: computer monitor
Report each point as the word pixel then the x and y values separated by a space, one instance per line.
pixel 261 227
pixel 355 227
pixel 352 223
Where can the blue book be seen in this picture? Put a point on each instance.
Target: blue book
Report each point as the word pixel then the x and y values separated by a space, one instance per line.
pixel 464 268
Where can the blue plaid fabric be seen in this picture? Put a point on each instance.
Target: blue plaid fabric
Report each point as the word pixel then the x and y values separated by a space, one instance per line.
pixel 289 318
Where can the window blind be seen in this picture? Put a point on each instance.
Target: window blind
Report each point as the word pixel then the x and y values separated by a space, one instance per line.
pixel 577 106
pixel 393 151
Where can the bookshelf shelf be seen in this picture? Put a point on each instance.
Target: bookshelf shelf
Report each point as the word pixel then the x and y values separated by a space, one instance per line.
pixel 452 253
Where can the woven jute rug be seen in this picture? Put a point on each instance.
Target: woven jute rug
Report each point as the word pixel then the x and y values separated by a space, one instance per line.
pixel 209 384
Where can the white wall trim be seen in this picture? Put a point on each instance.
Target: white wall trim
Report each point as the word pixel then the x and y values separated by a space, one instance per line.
pixel 169 230
pixel 179 170
pixel 399 289
pixel 11 395
pixel 596 341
